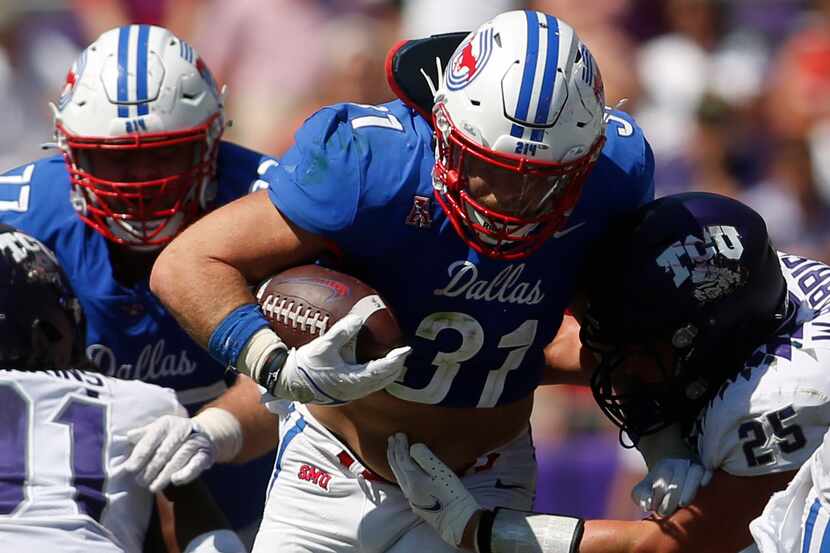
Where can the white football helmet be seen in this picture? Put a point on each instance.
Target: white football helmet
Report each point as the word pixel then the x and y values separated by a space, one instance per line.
pixel 139 122
pixel 523 95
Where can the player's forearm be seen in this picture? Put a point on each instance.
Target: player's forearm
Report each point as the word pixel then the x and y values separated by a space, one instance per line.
pixel 611 536
pixel 199 291
pixel 539 533
pixel 566 362
pixel 680 533
pixel 259 426
pixel 203 275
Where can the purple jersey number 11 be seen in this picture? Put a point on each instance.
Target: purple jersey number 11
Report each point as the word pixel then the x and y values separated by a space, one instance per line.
pixel 87 422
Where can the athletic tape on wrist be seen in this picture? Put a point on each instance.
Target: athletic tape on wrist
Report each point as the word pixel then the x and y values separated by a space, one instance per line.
pixel 534 533
pixel 224 431
pixel 257 353
pixel 232 334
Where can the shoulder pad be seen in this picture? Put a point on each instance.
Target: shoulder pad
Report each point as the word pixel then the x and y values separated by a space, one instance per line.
pixel 406 61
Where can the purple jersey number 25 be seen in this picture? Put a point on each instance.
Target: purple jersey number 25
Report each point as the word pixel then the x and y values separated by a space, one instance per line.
pixel 87 422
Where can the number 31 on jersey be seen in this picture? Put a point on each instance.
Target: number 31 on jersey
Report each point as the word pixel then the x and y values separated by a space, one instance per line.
pixel 447 364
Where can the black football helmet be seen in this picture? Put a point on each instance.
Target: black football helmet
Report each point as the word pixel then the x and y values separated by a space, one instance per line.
pixel 41 322
pixel 678 297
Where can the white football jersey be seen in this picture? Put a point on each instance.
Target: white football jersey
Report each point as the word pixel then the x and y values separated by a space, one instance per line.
pixel 62 446
pixel 772 415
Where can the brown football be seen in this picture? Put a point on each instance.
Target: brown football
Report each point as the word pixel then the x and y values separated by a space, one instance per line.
pixel 302 303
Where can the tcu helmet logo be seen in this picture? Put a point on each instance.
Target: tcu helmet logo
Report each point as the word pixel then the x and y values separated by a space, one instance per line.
pixel 20 245
pixel 470 59
pixel 708 262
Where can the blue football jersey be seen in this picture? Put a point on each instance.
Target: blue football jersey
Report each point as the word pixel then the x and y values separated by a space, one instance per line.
pixel 129 333
pixel 361 177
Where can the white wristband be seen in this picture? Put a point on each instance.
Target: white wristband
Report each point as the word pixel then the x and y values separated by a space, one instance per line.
pixel 534 532
pixel 256 351
pixel 216 541
pixel 224 431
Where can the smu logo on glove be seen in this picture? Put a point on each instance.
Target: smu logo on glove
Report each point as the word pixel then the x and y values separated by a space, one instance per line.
pixel 315 476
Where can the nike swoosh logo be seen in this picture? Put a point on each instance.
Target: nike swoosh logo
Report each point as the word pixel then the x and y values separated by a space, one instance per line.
pixel 568 230
pixel 502 486
pixel 432 508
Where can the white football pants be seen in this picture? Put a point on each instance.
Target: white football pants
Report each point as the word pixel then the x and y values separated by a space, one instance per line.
pixel 322 500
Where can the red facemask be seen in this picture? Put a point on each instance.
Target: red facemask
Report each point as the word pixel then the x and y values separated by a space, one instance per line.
pixel 136 188
pixel 548 190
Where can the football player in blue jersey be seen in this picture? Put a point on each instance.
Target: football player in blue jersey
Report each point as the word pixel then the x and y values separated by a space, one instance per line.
pixel 695 320
pixel 139 127
pixel 64 425
pixel 472 215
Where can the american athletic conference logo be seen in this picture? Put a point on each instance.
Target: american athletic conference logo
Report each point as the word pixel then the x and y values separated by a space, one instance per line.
pixel 470 60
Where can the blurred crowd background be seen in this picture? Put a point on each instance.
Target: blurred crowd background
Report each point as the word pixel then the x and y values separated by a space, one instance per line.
pixel 734 96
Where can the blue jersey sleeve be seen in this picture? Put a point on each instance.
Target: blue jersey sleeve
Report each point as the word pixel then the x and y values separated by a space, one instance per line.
pixel 239 171
pixel 629 153
pixel 35 199
pixel 348 170
pixel 621 181
pixel 317 182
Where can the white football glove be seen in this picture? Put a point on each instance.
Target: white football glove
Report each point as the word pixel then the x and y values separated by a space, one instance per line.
pixel 670 484
pixel 674 476
pixel 176 450
pixel 318 373
pixel 434 492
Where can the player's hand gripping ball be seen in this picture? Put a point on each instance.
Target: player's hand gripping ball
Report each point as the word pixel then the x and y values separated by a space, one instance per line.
pixel 343 338
pixel 303 302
